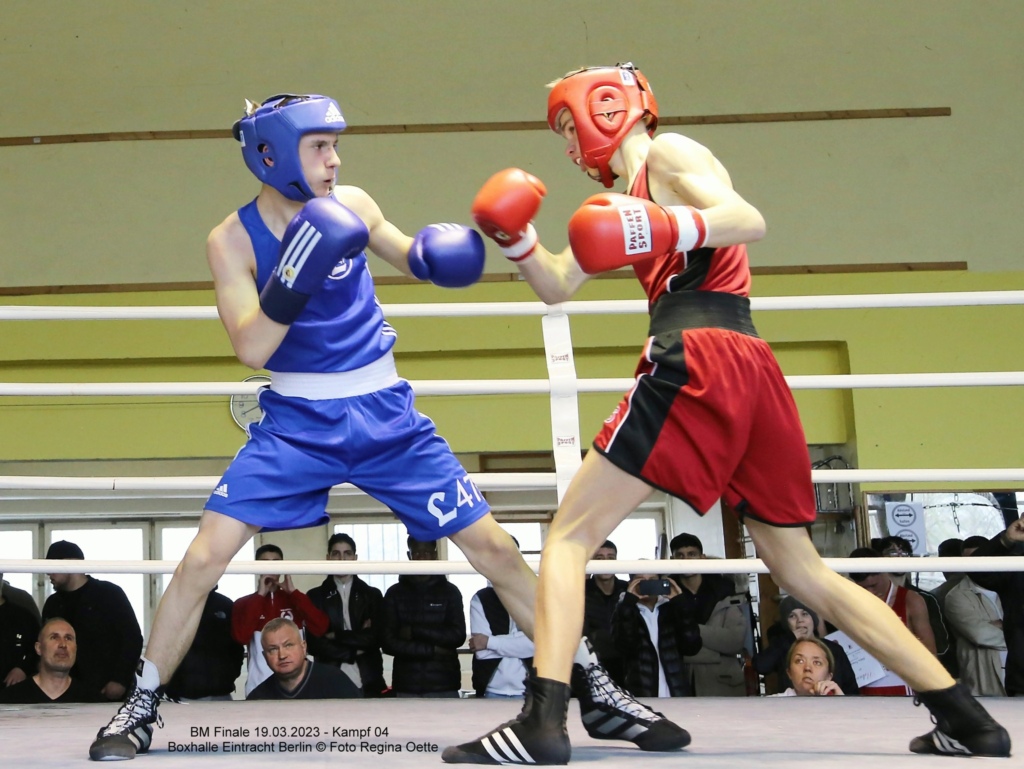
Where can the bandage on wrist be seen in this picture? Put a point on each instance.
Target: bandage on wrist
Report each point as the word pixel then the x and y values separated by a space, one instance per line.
pixel 693 230
pixel 521 250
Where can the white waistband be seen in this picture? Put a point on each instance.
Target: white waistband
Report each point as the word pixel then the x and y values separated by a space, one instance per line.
pixel 339 384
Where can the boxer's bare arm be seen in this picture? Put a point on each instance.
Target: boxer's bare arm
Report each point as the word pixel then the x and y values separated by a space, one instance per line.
pixel 254 337
pixel 684 172
pixel 554 277
pixel 386 240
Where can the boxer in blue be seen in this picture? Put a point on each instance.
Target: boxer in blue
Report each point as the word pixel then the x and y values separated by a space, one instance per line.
pixel 295 295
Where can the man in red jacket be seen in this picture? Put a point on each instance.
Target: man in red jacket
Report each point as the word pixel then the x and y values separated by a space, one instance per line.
pixel 275 597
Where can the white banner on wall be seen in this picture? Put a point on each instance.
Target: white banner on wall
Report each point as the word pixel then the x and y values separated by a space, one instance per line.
pixel 906 519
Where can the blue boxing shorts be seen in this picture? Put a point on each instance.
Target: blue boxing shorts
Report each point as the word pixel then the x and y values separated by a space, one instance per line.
pixel 280 479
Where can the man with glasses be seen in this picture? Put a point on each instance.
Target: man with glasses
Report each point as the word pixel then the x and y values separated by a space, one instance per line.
pixel 355 610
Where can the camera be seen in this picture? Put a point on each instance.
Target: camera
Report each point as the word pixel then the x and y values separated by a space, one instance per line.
pixel 654 587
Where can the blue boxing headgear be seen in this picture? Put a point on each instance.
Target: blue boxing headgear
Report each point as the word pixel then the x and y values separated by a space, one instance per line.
pixel 270 134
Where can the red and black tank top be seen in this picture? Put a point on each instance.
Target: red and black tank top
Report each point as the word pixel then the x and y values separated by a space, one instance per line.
pixel 724 269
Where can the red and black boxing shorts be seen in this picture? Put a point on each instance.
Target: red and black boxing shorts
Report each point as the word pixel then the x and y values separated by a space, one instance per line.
pixel 711 416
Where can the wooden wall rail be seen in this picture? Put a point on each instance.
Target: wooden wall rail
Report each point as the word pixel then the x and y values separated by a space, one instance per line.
pixel 532 125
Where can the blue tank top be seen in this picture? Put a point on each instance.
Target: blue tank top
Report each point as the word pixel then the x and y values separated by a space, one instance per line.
pixel 341 328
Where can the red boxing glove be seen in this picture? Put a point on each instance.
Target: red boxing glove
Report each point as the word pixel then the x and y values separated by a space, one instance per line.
pixel 503 210
pixel 611 231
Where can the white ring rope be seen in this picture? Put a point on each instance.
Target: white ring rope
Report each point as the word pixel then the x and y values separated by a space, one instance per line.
pixel 435 387
pixel 519 481
pixel 607 307
pixel 492 481
pixel 699 566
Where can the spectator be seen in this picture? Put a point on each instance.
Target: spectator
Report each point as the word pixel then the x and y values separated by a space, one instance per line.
pixel 948 548
pixel 1009 586
pixel 424 626
pixel 213 661
pixel 653 628
pixel 976 616
pixel 502 654
pixel 355 611
pixel 908 606
pixel 106 629
pixel 809 665
pixel 19 598
pixel 19 628
pixel 717 669
pixel 293 675
pixel 275 597
pixel 57 650
pixel 601 595
pixel 899 547
pixel 798 622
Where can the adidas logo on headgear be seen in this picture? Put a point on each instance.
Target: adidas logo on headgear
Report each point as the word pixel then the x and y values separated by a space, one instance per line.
pixel 333 114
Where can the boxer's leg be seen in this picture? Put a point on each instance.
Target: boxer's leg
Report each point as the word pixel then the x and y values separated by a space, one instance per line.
pixel 598 499
pixel 130 731
pixel 963 726
pixel 177 617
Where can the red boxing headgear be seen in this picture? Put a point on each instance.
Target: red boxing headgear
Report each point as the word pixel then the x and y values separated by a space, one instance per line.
pixel 605 103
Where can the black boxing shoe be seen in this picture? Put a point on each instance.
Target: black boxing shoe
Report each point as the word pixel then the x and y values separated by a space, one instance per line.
pixel 611 713
pixel 537 736
pixel 130 732
pixel 962 726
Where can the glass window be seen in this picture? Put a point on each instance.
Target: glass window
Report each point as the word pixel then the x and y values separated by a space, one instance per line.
pixel 17 544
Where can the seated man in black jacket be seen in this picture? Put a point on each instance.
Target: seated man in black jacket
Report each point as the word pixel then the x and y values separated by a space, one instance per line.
pixel 293 676
pixel 424 625
pixel 355 610
pixel 653 628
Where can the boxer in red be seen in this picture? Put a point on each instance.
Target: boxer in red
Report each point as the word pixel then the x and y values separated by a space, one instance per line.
pixel 709 415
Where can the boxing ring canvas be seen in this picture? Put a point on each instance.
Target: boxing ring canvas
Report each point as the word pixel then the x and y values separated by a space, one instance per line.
pixel 768 732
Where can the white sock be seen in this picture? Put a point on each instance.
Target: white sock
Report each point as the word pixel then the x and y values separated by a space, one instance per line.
pixel 146 675
pixel 584 656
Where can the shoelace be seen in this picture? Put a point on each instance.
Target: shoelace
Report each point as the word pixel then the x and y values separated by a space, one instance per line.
pixel 135 711
pixel 619 699
pixel 918 703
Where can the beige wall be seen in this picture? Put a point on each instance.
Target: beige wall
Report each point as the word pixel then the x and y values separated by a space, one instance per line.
pixel 834 192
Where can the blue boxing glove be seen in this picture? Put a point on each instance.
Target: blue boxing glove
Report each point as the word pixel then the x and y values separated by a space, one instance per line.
pixel 322 234
pixel 448 255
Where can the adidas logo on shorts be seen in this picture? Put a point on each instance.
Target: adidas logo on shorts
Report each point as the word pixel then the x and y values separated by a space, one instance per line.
pixel 333 114
pixel 221 491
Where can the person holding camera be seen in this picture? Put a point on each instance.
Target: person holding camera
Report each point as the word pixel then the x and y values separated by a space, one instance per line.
pixel 653 629
pixel 716 670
